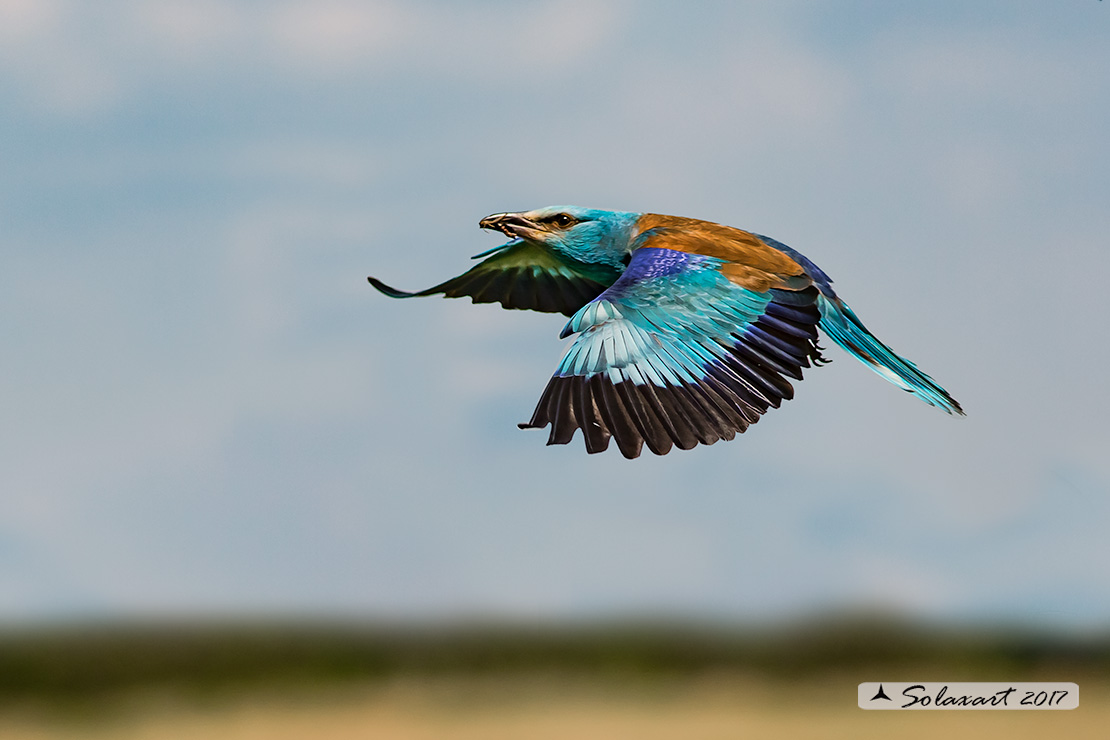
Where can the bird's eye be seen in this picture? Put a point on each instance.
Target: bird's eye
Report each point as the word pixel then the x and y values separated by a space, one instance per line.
pixel 562 220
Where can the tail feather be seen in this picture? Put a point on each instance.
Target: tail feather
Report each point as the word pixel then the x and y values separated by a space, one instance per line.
pixel 844 328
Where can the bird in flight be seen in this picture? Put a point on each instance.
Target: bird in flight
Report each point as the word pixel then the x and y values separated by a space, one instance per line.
pixel 686 331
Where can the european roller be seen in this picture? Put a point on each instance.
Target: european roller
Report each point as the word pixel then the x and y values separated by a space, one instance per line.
pixel 686 331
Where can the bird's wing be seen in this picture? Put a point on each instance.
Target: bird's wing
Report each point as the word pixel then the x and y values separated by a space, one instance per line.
pixel 682 349
pixel 840 322
pixel 519 274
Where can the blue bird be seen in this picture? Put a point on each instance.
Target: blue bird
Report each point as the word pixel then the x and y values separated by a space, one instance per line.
pixel 687 330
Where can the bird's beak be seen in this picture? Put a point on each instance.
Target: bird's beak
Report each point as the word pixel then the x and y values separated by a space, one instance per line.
pixel 511 224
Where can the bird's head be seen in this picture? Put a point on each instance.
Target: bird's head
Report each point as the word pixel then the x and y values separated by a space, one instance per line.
pixel 584 235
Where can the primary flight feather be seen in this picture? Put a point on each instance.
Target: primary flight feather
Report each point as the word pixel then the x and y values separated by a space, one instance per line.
pixel 687 330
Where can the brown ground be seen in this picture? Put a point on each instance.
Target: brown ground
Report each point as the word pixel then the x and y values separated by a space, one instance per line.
pixel 556 709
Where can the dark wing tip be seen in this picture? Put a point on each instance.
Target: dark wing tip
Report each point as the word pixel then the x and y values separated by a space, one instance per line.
pixel 955 409
pixel 512 287
pixel 389 290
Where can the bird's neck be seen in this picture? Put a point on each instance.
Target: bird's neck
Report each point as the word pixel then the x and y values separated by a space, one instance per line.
pixel 600 252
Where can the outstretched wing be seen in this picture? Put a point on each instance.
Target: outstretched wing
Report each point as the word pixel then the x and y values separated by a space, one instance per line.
pixel 521 275
pixel 678 352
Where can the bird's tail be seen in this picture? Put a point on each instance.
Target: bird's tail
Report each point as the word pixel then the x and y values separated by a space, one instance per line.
pixel 841 324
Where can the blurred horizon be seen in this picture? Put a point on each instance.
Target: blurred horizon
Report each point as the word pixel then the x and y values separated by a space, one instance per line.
pixel 105 664
pixel 208 413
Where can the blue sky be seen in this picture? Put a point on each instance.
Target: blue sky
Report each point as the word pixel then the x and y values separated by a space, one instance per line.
pixel 206 409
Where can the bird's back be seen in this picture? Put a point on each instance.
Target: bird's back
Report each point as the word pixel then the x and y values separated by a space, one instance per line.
pixel 750 261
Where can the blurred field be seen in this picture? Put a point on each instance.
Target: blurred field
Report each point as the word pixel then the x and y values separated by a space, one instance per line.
pixel 546 707
pixel 243 682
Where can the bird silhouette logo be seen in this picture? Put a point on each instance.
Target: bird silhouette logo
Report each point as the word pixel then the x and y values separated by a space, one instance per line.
pixel 881 694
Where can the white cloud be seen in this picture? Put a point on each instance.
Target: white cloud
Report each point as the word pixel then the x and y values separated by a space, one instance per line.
pixel 42 56
pixel 180 31
pixel 504 42
pixel 339 32
pixel 73 58
pixel 24 20
pixel 899 583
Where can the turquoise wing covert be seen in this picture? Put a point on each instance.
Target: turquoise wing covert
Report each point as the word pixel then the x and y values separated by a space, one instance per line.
pixel 675 353
pixel 519 274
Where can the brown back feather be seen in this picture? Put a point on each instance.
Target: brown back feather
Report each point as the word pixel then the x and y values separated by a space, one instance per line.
pixel 752 264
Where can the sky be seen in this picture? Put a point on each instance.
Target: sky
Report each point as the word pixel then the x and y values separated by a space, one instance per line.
pixel 206 409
